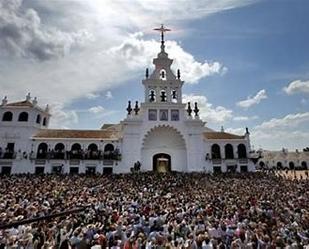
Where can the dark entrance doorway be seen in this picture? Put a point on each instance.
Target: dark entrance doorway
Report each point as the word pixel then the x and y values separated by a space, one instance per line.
pixel 243 168
pixel 231 168
pixel 74 170
pixel 161 162
pixel 39 170
pixel 107 171
pixel 217 169
pixel 6 170
pixel 91 170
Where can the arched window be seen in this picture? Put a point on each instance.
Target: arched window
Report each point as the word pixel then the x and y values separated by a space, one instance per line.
pixel 304 165
pixel 291 165
pixel 7 116
pixel 42 151
pixel 59 147
pixel 109 148
pixel 242 151
pixel 108 151
pixel 38 119
pixel 163 74
pixel 76 147
pixel 59 151
pixel 76 151
pixel 229 153
pixel 174 96
pixel 215 151
pixel 92 152
pixel 279 165
pixel 23 117
pixel 152 95
pixel 44 121
pixel 163 96
pixel 262 165
pixel 92 147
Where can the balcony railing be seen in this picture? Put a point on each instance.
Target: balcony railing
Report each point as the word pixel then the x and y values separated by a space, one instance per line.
pixel 78 155
pixel 8 155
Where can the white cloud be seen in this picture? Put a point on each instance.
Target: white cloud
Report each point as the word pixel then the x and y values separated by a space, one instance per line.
pixel 92 95
pixel 250 101
pixel 238 131
pixel 138 53
pixel 209 113
pixel 245 118
pixel 292 140
pixel 97 109
pixel 59 50
pixel 22 34
pixel 297 86
pixel 288 131
pixel 109 95
pixel 289 121
pixel 62 118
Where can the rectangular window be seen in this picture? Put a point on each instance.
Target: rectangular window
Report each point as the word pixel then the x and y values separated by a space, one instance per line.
pixel 175 115
pixel 152 115
pixel 163 115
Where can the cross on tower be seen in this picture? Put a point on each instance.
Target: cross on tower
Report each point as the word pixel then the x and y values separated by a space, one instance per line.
pixel 162 30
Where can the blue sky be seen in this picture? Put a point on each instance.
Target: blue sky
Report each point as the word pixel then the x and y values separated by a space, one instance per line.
pixel 245 62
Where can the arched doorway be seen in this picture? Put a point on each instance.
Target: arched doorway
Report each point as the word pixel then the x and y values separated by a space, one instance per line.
pixel 161 163
pixel 167 143
pixel 279 165
pixel 262 165
pixel 229 153
pixel 291 165
pixel 304 165
pixel 42 151
pixel 242 151
pixel 215 151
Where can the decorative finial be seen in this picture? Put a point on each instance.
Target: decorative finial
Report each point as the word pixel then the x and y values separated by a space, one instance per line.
pixel 136 108
pixel 196 110
pixel 5 100
pixel 47 108
pixel 129 108
pixel 147 73
pixel 247 131
pixel 178 74
pixel 28 97
pixel 189 110
pixel 162 29
pixel 35 101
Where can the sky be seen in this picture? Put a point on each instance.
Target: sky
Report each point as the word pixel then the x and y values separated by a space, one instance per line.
pixel 244 61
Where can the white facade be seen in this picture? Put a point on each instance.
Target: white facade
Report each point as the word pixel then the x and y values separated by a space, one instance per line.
pixel 160 132
pixel 283 159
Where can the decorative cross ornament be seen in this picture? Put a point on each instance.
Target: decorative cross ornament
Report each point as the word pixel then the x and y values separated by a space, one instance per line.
pixel 162 29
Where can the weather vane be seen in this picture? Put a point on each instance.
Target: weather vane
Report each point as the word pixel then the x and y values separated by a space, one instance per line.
pixel 162 29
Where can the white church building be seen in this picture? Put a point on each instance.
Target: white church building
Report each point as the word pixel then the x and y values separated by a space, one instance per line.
pixel 160 134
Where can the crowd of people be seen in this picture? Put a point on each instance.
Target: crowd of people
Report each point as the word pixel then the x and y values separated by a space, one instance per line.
pixel 150 210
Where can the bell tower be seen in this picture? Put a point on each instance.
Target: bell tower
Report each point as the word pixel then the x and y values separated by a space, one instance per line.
pixel 162 85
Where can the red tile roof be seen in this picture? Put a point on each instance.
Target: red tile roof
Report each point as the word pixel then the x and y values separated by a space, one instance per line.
pixel 91 134
pixel 221 135
pixel 21 103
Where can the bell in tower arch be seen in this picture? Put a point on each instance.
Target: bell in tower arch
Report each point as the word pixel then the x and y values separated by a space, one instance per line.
pixel 152 96
pixel 163 74
pixel 163 96
pixel 174 96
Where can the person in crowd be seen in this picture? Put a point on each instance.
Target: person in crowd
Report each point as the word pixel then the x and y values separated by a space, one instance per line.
pixel 151 210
